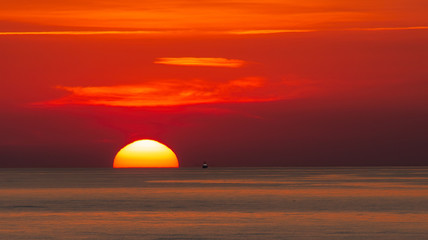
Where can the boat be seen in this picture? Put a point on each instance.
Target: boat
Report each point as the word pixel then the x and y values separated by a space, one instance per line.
pixel 205 165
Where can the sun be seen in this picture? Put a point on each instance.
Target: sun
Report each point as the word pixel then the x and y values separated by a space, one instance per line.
pixel 145 153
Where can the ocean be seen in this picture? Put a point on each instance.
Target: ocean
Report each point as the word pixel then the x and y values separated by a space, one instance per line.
pixel 215 203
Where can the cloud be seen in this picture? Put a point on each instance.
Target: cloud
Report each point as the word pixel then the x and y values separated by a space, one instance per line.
pixel 205 62
pixel 202 61
pixel 389 28
pixel 270 31
pixel 177 92
pixel 157 32
pixel 112 32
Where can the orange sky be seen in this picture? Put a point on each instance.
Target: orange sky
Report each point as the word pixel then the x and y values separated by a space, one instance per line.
pixel 277 77
pixel 211 15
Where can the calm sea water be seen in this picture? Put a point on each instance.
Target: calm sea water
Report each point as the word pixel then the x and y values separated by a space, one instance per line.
pixel 215 203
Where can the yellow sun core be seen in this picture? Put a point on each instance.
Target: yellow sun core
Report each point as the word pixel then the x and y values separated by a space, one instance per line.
pixel 145 154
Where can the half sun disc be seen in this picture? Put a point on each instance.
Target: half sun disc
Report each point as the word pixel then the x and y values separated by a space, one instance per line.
pixel 145 154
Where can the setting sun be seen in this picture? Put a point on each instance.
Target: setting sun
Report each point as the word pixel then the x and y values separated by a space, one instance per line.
pixel 145 154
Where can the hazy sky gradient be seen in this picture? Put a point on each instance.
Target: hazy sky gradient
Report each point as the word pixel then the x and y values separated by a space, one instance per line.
pixel 238 83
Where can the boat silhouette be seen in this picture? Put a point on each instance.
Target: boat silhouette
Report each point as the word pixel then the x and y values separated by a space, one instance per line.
pixel 205 165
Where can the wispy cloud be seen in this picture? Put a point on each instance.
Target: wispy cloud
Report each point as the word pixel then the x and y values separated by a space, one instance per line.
pixel 82 33
pixel 178 92
pixel 200 61
pixel 389 28
pixel 269 31
pixel 160 32
pixel 205 62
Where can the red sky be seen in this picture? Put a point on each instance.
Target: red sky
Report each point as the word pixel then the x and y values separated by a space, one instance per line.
pixel 238 83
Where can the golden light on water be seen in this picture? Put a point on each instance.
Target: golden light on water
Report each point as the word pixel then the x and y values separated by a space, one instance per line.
pixel 145 154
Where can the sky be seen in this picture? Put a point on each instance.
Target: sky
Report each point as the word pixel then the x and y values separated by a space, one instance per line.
pixel 249 83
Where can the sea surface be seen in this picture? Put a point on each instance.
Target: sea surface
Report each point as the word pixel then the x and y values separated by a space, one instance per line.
pixel 215 203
